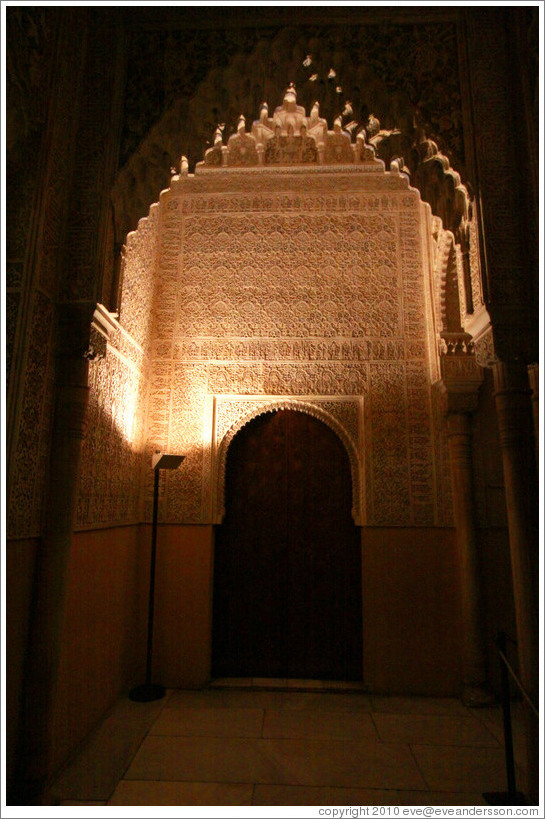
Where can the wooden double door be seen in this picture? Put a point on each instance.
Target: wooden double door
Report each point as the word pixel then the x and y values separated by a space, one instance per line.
pixel 287 575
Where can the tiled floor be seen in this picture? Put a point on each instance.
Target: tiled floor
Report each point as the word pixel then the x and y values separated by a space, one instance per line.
pixel 265 742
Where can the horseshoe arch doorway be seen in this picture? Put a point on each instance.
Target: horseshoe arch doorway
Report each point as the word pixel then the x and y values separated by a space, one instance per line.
pixel 287 571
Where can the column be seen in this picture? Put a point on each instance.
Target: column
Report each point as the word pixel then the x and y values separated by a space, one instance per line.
pixel 513 405
pixel 533 376
pixel 45 632
pixel 474 680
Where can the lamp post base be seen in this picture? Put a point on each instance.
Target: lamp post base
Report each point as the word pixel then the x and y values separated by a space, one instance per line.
pixel 147 693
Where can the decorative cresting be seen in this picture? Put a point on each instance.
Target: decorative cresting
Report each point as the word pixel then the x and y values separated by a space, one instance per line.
pixel 343 415
pixel 440 185
pixel 289 137
pixel 450 293
pixel 461 375
pixel 458 243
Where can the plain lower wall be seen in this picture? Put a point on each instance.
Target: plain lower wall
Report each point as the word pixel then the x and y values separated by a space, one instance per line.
pixel 183 605
pixel 20 562
pixel 104 635
pixel 103 641
pixel 411 611
pixel 410 608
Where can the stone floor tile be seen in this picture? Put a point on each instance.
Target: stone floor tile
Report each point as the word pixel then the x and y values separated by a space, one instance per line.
pixel 232 682
pixel 201 759
pixel 324 701
pixel 338 763
pixel 232 698
pixel 226 698
pixel 447 706
pixel 492 718
pixel 297 795
pixel 104 757
pixel 461 769
pixel 317 724
pixel 298 763
pixel 305 685
pixel 300 795
pixel 432 729
pixel 439 798
pixel 82 804
pixel 181 793
pixel 213 722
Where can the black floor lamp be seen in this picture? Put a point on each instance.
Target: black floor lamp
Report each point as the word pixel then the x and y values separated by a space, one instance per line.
pixel 148 692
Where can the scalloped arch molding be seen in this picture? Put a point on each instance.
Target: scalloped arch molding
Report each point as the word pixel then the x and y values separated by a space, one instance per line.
pixel 344 415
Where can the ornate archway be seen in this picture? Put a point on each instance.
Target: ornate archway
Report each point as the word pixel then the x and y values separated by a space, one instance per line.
pixel 287 562
pixel 344 415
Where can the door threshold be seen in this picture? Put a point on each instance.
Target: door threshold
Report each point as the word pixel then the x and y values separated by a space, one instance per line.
pixel 280 684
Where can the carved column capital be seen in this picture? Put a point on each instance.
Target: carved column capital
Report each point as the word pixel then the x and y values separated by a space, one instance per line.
pixel 83 331
pixel 74 329
pixel 485 351
pixel 499 337
pixel 97 345
pixel 500 332
pixel 101 326
pixel 460 383
pixel 511 377
pixel 513 402
pixel 83 337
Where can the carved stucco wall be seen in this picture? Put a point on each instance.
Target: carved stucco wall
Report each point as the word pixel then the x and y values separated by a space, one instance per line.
pixel 28 67
pixel 38 185
pixel 30 460
pixel 58 162
pixel 296 286
pixel 108 489
pixel 113 449
pixel 29 63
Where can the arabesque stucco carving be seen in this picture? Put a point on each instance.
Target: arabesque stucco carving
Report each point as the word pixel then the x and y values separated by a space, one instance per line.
pixel 318 287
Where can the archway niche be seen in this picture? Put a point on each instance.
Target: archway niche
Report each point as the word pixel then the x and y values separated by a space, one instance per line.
pixel 343 415
pixel 287 564
pixel 293 270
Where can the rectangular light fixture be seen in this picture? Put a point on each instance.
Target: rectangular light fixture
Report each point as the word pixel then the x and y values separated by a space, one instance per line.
pixel 162 461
